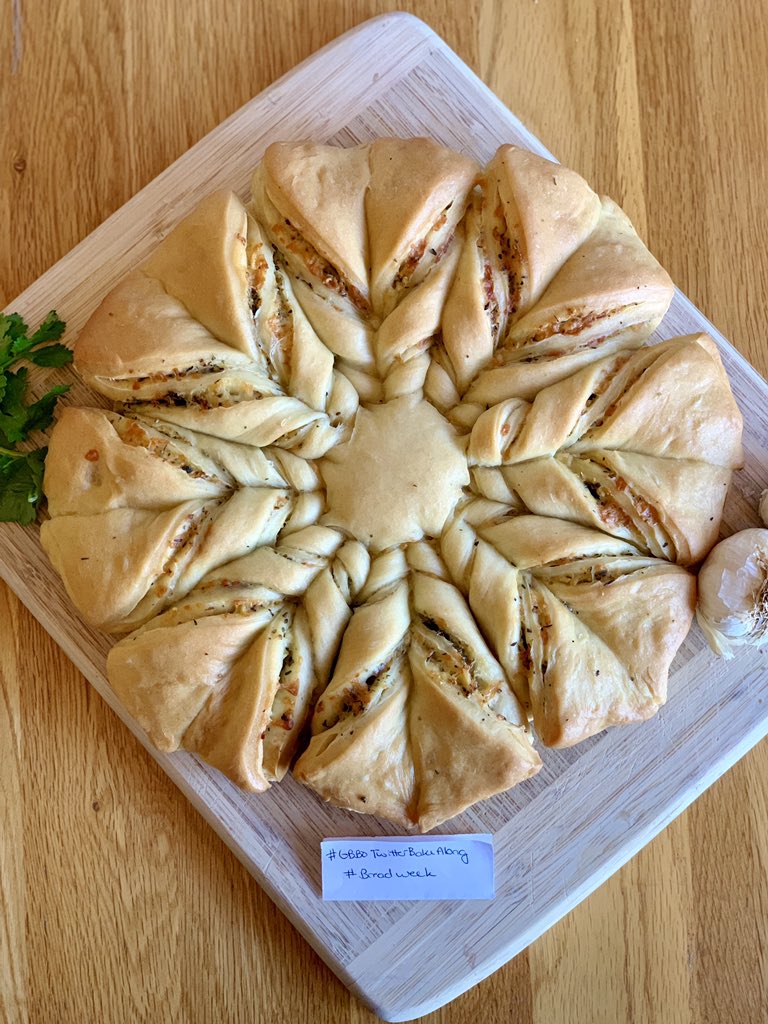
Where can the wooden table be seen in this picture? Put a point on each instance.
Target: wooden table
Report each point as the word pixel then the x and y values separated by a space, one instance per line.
pixel 118 902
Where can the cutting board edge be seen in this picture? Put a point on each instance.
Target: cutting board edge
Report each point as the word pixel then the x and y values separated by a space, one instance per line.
pixel 397 1013
pixel 96 677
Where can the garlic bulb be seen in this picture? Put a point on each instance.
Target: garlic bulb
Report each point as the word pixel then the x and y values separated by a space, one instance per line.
pixel 764 507
pixel 733 593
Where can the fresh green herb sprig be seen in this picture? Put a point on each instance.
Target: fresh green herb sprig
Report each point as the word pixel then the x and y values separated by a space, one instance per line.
pixel 21 473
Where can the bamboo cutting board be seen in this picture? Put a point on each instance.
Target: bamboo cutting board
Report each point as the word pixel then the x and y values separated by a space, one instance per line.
pixel 557 836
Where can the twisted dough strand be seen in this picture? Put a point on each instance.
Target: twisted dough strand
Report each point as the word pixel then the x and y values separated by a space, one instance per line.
pixel 255 654
pixel 413 670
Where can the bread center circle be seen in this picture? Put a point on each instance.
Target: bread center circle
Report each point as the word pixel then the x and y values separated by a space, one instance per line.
pixel 399 476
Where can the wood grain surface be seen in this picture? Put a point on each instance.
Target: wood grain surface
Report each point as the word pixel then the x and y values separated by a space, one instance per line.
pixel 118 902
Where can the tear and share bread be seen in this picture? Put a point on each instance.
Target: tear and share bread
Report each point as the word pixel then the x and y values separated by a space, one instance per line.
pixel 203 263
pixel 418 698
pixel 418 193
pixel 538 213
pixel 608 296
pixel 320 191
pixel 595 625
pixel 640 445
pixel 141 331
pixel 395 479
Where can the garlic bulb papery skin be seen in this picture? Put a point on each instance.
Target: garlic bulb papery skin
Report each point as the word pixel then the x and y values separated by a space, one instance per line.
pixel 733 593
pixel 764 507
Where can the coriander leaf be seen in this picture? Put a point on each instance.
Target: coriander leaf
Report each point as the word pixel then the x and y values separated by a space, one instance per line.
pixel 7 454
pixel 21 344
pixel 12 326
pixel 21 485
pixel 51 355
pixel 40 413
pixel 13 412
pixel 21 473
pixel 51 329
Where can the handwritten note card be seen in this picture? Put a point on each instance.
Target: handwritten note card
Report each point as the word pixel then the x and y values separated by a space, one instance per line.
pixel 406 868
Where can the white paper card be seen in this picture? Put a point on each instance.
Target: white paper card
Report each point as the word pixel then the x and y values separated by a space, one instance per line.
pixel 408 868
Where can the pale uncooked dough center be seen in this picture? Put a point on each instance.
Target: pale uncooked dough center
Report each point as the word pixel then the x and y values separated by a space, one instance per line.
pixel 398 477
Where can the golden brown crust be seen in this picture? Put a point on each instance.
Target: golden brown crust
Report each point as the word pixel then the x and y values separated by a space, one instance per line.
pixel 418 193
pixel 609 295
pixel 321 191
pixel 594 624
pixel 203 263
pixel 455 740
pixel 545 212
pixel 416 698
pixel 119 344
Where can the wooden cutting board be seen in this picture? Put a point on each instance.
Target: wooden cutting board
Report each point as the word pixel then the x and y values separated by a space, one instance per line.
pixel 558 836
